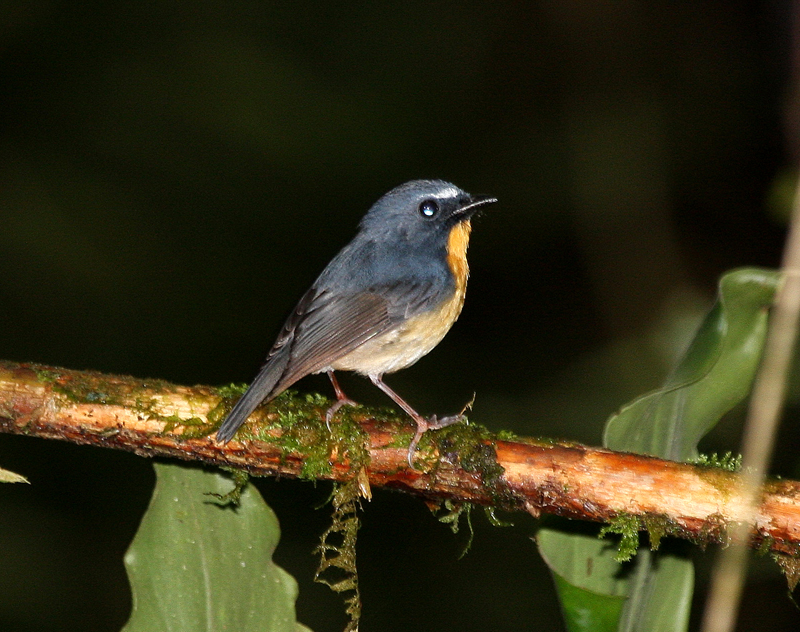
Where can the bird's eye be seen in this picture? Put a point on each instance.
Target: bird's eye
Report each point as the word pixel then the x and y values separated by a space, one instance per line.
pixel 428 208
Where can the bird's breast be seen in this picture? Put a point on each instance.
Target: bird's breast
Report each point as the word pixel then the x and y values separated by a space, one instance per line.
pixel 416 336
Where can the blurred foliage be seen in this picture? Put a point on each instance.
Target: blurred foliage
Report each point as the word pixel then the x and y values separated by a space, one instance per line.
pixel 172 177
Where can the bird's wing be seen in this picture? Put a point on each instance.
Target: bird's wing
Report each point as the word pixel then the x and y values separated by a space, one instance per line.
pixel 324 327
pixel 329 327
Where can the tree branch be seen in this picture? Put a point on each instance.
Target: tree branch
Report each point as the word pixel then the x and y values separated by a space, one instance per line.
pixel 460 463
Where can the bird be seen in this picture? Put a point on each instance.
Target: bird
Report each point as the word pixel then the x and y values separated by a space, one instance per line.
pixel 382 303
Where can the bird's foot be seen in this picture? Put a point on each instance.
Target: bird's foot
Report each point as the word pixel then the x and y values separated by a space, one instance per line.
pixel 435 424
pixel 431 423
pixel 335 409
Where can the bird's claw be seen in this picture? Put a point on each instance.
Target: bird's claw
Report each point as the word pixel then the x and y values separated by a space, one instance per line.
pixel 431 423
pixel 335 409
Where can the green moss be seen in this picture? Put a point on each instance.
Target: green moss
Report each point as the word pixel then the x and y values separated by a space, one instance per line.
pixel 765 546
pixel 216 415
pixel 231 390
pixel 47 375
pixel 337 550
pixel 350 438
pixel 491 516
pixel 240 480
pixel 719 478
pixel 83 387
pixel 455 512
pixel 310 438
pixel 728 461
pixel 317 399
pixel 627 526
pixel 228 395
pixel 305 432
pixel 657 527
pixel 300 420
pixel 137 395
pixel 790 566
pixel 472 447
pixel 193 427
pixel 507 435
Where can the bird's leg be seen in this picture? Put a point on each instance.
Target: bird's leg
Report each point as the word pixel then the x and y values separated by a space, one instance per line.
pixel 341 400
pixel 423 425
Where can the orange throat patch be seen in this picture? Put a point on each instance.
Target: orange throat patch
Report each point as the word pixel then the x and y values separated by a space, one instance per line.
pixel 457 244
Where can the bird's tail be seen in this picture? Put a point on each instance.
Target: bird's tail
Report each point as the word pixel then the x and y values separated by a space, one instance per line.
pixel 263 389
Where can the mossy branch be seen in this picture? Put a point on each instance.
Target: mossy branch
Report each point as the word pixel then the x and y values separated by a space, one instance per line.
pixel 460 463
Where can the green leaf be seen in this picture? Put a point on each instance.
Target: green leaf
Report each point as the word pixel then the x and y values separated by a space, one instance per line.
pixel 196 566
pixel 598 593
pixel 715 374
pixel 591 566
pixel 660 593
pixel 586 610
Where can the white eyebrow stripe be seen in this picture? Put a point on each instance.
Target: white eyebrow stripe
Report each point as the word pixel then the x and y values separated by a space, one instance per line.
pixel 450 192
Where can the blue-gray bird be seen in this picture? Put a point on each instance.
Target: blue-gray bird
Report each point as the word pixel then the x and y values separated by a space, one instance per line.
pixel 381 304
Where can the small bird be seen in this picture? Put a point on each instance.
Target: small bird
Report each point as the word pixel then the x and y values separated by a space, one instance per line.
pixel 381 304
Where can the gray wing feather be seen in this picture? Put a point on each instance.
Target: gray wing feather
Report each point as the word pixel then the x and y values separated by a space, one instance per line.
pixel 322 329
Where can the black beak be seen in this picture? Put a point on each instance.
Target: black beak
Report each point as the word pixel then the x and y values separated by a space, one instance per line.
pixel 471 204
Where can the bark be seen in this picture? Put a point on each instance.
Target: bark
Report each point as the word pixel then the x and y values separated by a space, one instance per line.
pixel 462 464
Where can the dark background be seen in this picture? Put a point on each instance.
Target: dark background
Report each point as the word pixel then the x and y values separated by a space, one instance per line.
pixel 174 175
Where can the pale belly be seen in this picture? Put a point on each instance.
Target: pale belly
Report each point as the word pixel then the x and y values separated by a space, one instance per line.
pixel 403 346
